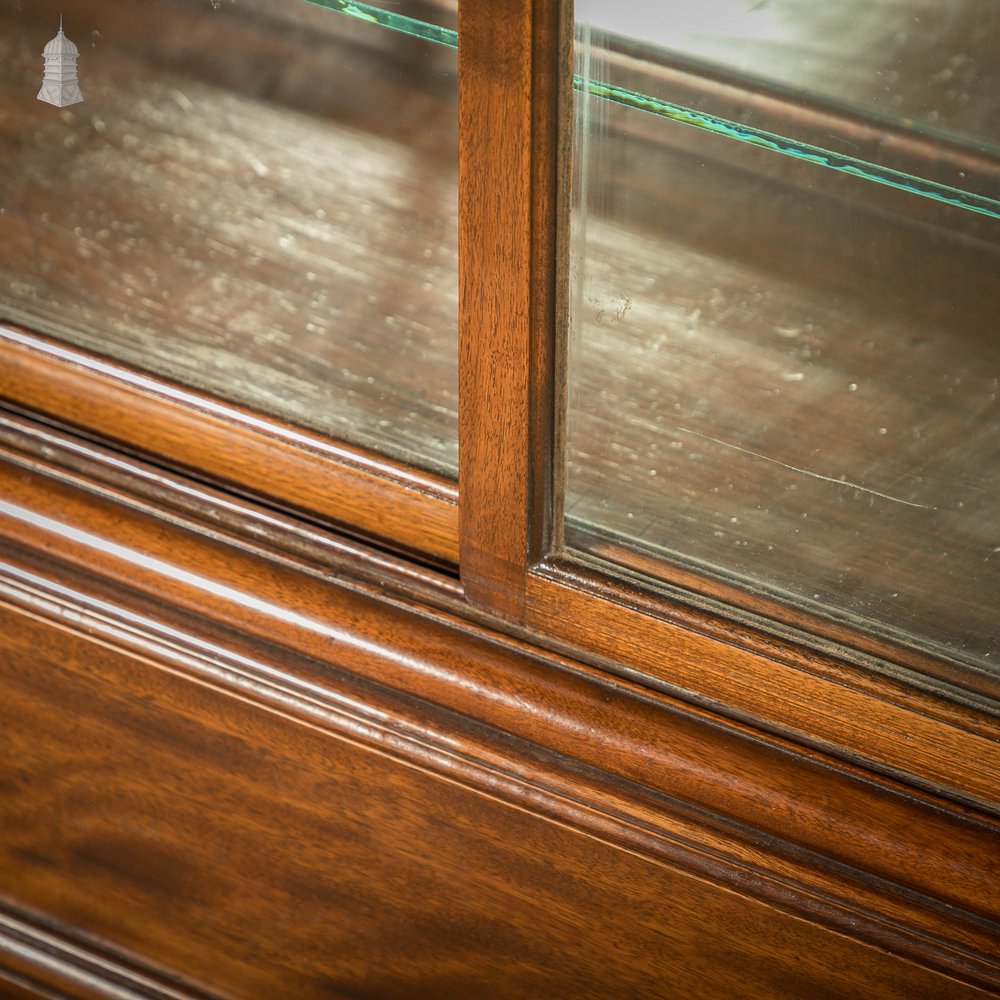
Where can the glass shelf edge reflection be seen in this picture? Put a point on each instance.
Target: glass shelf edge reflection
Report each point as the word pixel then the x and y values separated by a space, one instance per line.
pixel 393 20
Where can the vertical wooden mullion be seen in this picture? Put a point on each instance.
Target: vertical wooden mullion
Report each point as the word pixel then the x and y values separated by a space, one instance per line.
pixel 513 72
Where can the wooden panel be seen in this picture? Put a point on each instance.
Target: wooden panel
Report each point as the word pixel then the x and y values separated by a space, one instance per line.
pixel 237 847
pixel 857 854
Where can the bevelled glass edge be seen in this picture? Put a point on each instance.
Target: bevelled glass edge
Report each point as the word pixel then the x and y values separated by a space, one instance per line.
pixel 390 19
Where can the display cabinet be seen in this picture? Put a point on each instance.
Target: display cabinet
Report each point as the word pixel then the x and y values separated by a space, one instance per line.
pixel 499 501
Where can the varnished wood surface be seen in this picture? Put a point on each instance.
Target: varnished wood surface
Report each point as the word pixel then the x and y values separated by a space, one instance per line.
pixel 257 200
pixel 363 492
pixel 755 814
pixel 268 859
pixel 495 237
pixel 515 64
pixel 861 710
pixel 816 699
pixel 218 512
pixel 40 958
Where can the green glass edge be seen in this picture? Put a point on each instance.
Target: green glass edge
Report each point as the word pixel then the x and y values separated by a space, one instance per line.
pixel 390 19
pixel 697 119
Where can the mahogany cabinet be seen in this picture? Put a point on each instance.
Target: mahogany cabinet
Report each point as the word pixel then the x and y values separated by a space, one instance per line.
pixel 329 665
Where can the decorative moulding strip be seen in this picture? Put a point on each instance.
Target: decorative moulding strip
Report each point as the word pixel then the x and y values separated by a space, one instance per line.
pixel 46 963
pixel 214 512
pixel 900 732
pixel 404 507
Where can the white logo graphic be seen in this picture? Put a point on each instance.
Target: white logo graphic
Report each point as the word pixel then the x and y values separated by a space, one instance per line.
pixel 60 86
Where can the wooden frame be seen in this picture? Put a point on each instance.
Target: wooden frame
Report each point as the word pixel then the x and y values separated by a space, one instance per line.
pixel 512 563
pixel 506 534
pixel 405 508
pixel 513 84
pixel 236 655
pixel 514 92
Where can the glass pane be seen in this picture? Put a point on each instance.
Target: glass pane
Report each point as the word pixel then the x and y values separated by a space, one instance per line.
pixel 784 365
pixel 256 198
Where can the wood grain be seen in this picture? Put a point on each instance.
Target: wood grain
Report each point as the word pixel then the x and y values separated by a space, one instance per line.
pixel 200 788
pixel 234 847
pixel 819 701
pixel 513 73
pixel 361 491
pixel 665 769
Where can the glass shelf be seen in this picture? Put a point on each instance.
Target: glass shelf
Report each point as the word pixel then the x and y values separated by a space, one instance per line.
pixel 432 20
pixel 257 198
pixel 921 64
